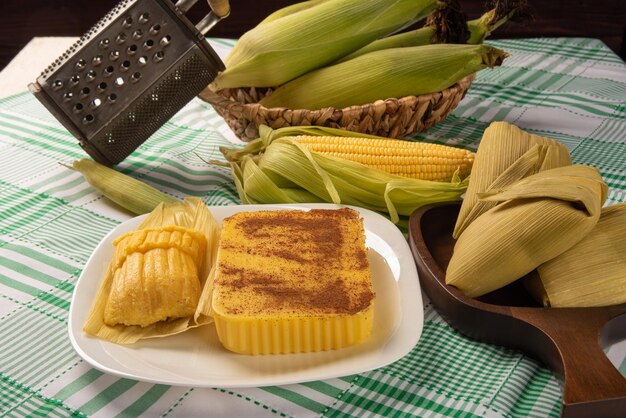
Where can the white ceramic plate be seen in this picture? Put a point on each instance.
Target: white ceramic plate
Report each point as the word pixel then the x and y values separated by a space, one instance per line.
pixel 196 357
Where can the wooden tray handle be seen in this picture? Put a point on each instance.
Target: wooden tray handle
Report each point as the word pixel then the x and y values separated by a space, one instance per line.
pixel 592 386
pixel 568 340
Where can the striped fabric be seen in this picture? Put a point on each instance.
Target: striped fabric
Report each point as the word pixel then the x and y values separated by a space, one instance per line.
pixel 573 90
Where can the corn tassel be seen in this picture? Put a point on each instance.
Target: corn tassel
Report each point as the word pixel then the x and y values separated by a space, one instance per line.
pixel 418 160
pixel 280 50
pixel 395 72
pixel 131 194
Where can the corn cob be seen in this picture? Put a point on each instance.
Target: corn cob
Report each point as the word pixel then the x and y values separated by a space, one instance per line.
pixel 444 26
pixel 290 9
pixel 418 160
pixel 280 50
pixel 395 72
pixel 277 168
pixel 131 194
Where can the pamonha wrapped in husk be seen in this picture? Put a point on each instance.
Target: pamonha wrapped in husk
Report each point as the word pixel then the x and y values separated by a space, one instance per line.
pixel 527 208
pixel 535 220
pixel 158 275
pixel 592 272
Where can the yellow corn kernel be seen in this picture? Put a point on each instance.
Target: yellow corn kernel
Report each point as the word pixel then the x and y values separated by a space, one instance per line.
pixel 419 160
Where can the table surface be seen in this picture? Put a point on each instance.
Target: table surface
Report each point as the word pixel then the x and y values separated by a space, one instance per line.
pixel 569 89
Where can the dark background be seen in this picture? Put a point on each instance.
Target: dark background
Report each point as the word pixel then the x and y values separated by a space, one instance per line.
pixel 21 20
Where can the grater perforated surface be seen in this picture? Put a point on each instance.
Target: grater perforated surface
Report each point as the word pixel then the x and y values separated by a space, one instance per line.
pixel 173 91
pixel 103 88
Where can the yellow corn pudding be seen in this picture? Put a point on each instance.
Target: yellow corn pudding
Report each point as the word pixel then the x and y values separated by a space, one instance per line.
pixel 155 276
pixel 291 281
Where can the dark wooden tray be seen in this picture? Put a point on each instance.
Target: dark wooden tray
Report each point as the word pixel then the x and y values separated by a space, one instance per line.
pixel 569 341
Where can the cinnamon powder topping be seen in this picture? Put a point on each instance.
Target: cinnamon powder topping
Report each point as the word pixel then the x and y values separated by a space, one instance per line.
pixel 294 262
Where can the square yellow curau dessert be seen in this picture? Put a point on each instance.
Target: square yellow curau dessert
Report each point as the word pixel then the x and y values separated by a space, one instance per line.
pixel 290 281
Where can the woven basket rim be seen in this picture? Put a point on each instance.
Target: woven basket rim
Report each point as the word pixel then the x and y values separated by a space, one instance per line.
pixel 390 117
pixel 224 101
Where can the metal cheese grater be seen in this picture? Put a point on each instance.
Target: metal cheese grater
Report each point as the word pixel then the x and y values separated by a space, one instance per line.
pixel 139 65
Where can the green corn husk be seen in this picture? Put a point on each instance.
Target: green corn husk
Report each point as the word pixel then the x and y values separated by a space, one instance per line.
pixel 536 219
pixel 506 154
pixel 503 11
pixel 290 9
pixel 276 169
pixel 133 195
pixel 592 272
pixel 395 72
pixel 280 50
pixel 448 25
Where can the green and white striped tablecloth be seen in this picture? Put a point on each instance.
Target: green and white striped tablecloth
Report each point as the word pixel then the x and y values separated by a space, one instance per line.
pixel 573 90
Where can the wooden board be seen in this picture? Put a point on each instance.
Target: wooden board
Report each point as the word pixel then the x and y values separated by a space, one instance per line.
pixel 570 341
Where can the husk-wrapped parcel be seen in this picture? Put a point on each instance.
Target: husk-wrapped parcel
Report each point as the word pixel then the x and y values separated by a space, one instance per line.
pixel 535 219
pixel 506 154
pixel 592 272
pixel 158 275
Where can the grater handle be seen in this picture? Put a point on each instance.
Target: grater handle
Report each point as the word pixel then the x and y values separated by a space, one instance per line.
pixel 220 8
pixel 185 5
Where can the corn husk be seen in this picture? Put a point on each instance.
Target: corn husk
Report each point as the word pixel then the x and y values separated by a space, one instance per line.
pixel 275 168
pixel 592 272
pixel 290 9
pixel 130 193
pixel 502 11
pixel 395 72
pixel 447 24
pixel 535 219
pixel 191 213
pixel 284 48
pixel 506 154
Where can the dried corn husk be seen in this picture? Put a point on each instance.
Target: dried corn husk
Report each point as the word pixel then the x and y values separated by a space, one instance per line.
pixel 506 154
pixel 275 168
pixel 191 213
pixel 592 272
pixel 536 219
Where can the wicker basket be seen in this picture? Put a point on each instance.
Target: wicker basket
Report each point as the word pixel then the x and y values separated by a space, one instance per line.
pixel 393 118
